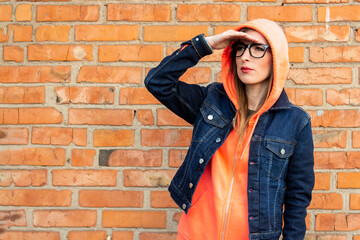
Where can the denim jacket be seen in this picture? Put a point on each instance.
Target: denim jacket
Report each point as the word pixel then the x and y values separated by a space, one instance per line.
pixel 280 166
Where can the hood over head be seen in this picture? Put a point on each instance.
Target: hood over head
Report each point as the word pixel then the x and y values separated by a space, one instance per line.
pixel 279 49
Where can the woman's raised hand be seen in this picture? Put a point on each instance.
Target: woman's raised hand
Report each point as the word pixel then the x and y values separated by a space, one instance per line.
pixel 224 39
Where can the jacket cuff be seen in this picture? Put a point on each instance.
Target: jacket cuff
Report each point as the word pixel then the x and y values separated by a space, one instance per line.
pixel 201 46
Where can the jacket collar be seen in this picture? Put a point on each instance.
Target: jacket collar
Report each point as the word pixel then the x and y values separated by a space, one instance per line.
pixel 282 102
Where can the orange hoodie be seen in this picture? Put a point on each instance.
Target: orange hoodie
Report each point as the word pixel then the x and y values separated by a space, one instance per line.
pixel 220 206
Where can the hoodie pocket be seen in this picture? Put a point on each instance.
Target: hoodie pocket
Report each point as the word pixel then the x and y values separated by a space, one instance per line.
pixel 278 154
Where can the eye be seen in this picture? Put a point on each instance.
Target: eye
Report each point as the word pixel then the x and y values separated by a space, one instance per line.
pixel 240 48
pixel 259 48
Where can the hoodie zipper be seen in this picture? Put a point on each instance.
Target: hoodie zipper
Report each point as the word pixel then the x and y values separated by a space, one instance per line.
pixel 233 179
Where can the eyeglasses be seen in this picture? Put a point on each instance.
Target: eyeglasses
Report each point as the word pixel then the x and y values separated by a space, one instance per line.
pixel 256 50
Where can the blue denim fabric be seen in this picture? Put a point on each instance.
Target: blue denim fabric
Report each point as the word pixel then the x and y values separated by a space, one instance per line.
pixel 280 169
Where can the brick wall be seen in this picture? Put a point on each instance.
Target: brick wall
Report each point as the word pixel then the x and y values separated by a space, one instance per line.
pixel 87 153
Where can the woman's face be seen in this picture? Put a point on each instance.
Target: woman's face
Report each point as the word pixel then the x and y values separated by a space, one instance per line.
pixel 254 71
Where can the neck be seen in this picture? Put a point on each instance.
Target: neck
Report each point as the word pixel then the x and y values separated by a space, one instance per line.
pixel 256 94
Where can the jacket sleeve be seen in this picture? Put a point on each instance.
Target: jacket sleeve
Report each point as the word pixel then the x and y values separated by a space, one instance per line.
pixel 300 183
pixel 163 81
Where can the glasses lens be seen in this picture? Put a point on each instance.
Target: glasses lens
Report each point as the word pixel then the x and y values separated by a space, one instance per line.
pixel 257 50
pixel 240 49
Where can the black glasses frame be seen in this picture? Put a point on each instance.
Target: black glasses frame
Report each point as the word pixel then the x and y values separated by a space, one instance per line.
pixel 248 46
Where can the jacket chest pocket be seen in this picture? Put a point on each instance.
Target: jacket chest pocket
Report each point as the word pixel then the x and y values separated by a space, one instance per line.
pixel 277 158
pixel 213 117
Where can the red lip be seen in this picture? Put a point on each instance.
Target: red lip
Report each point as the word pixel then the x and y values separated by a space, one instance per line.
pixel 246 69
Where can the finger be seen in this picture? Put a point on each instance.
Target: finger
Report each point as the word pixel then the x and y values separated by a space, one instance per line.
pixel 244 36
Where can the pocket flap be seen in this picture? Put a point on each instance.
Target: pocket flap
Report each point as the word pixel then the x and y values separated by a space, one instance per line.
pixel 280 149
pixel 212 117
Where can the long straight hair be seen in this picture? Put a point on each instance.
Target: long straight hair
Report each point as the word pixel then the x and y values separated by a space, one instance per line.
pixel 241 119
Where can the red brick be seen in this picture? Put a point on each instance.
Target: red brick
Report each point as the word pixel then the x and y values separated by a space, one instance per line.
pixel 316 1
pixel 5 13
pixel 318 34
pixel 324 237
pixel 326 201
pixel 113 117
pixel 66 13
pixel 103 198
pixel 39 116
pixel 35 197
pixel 4 37
pixel 339 13
pixel 35 74
pixel 56 33
pixel 23 178
pixel 13 53
pixel 82 157
pixel 337 160
pixel 307 221
pixel 14 136
pixel 13 218
pixel 65 218
pixel 281 13
pixel 348 180
pixel 21 33
pixel 296 54
pixel 162 199
pixel 343 97
pixel 337 222
pixel 80 136
pixel 167 118
pixel 322 181
pixel 87 95
pixel 135 158
pixel 176 157
pixel 23 13
pixel 330 139
pixel 355 201
pixel 166 137
pixel 9 116
pixel 53 136
pixel 71 177
pixel 335 118
pixel 113 138
pixel 134 96
pixel 100 74
pixel 197 75
pixel 60 52
pixel 208 13
pixel 177 217
pixel 157 236
pixel 33 156
pixel 145 117
pixel 11 235
pixel 106 32
pixel 134 219
pixel 88 235
pixel 358 236
pixel 123 235
pixel 335 54
pixel 356 139
pixel 148 178
pixel 309 97
pixel 130 53
pixel 139 12
pixel 357 35
pixel 305 76
pixel 172 33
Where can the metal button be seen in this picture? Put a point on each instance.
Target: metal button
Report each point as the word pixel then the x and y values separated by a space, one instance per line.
pixel 218 140
pixel 252 163
pixel 250 190
pixel 210 117
pixel 183 206
pixel 201 160
pixel 196 39
pixel 251 218
pixel 191 185
pixel 282 151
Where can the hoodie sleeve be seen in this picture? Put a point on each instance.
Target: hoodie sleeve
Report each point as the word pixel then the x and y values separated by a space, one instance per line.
pixel 163 81
pixel 300 182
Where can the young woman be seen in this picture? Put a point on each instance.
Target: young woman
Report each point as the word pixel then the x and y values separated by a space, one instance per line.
pixel 248 173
